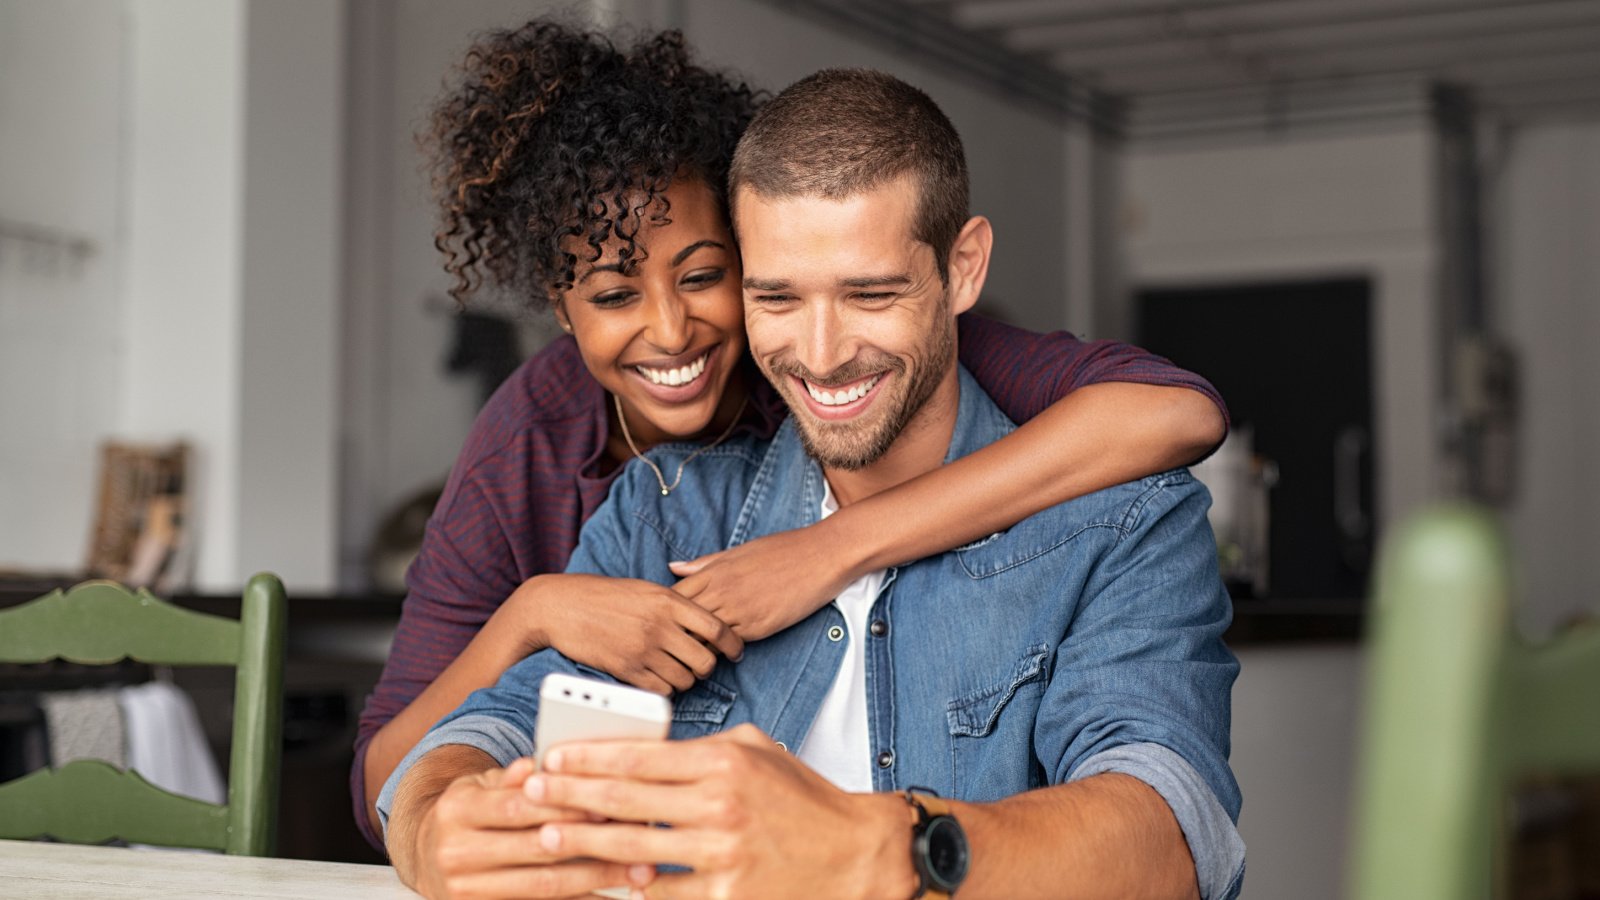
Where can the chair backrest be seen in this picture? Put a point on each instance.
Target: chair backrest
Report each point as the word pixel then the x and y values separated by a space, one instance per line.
pixel 1459 708
pixel 88 801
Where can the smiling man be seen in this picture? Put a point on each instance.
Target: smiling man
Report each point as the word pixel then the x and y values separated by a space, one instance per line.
pixel 1041 713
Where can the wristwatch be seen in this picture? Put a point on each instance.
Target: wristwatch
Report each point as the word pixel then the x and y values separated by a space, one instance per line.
pixel 938 845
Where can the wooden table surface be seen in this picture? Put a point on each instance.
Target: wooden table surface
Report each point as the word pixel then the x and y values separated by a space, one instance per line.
pixel 34 870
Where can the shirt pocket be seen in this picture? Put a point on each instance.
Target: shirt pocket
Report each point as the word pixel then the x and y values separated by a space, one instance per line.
pixel 702 709
pixel 991 731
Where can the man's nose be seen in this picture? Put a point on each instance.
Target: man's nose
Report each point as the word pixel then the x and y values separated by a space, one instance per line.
pixel 826 346
pixel 669 322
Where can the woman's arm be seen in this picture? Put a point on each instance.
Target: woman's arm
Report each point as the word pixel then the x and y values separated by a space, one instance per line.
pixel 1094 432
pixel 642 633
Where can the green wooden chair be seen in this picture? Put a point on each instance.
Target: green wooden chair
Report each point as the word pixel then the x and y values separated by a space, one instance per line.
pixel 1459 709
pixel 91 802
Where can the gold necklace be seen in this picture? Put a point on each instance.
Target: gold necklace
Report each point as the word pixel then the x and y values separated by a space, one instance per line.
pixel 661 478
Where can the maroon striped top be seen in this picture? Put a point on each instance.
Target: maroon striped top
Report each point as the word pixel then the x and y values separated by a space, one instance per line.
pixel 530 475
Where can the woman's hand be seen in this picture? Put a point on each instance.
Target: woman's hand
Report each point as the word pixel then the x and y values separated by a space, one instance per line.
pixel 642 633
pixel 762 587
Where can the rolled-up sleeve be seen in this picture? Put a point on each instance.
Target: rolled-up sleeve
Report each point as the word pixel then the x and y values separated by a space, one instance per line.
pixel 498 720
pixel 1144 665
pixel 1213 839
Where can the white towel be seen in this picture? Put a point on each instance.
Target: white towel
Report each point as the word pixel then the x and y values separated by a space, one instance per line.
pixel 166 744
pixel 83 725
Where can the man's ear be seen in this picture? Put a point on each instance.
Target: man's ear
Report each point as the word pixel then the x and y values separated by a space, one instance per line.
pixel 969 263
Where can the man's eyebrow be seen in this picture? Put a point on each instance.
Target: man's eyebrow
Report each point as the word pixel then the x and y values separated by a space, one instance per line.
pixel 684 253
pixel 765 284
pixel 876 281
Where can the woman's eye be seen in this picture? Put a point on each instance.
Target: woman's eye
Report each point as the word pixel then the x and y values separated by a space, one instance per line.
pixel 703 278
pixel 613 299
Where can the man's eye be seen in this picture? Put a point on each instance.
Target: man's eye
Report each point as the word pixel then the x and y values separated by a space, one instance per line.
pixel 875 297
pixel 773 299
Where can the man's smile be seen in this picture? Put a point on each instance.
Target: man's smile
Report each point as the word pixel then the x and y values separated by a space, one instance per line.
pixel 837 402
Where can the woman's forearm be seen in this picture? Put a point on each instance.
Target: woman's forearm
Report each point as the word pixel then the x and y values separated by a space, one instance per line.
pixel 495 648
pixel 1097 436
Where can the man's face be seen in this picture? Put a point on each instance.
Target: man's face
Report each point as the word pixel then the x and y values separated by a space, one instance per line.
pixel 846 316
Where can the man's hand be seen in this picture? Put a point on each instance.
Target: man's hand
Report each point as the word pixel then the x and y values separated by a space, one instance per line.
pixel 748 818
pixel 480 838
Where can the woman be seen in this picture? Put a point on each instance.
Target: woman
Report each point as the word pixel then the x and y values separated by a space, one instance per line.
pixel 594 180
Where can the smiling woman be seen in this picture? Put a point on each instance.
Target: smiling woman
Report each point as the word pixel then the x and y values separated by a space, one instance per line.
pixel 664 331
pixel 592 180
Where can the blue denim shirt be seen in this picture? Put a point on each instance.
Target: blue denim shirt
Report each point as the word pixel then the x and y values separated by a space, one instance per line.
pixel 1085 639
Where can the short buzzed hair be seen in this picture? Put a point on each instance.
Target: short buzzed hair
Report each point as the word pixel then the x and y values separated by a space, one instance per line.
pixel 842 132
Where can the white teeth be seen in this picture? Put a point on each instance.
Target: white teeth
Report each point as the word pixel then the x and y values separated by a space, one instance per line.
pixel 679 376
pixel 840 398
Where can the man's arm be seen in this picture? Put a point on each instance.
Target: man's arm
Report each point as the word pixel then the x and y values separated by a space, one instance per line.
pixel 752 820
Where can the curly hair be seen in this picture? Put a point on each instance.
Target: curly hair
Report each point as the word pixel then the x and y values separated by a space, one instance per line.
pixel 553 133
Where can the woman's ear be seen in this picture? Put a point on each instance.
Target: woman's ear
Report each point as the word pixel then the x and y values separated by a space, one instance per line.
pixel 560 310
pixel 969 263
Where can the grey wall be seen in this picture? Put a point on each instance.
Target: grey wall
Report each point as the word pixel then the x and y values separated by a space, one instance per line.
pixel 1548 291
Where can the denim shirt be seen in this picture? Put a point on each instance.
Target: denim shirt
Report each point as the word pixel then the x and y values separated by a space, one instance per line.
pixel 1085 639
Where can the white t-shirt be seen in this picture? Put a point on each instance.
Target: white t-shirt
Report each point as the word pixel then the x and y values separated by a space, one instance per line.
pixel 838 746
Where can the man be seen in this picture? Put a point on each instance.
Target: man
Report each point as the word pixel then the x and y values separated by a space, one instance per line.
pixel 1061 686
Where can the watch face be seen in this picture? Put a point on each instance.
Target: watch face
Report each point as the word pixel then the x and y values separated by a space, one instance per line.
pixel 947 852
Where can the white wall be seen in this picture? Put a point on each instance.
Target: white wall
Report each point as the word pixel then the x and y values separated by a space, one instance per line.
pixel 61 135
pixel 1548 291
pixel 1361 205
pixel 198 144
pixel 180 307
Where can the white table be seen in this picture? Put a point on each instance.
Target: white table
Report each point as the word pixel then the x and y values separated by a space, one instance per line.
pixel 34 870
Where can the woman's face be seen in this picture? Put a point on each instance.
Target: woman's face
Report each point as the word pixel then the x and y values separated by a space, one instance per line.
pixel 666 334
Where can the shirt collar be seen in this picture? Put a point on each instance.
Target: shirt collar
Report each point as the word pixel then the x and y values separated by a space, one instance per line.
pixel 789 487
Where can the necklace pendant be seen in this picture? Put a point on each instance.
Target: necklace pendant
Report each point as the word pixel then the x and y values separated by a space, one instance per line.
pixel 665 491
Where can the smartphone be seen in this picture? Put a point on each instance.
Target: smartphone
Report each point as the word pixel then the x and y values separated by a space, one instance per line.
pixel 584 709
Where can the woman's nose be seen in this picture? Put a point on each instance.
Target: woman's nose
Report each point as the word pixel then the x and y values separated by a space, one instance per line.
pixel 669 323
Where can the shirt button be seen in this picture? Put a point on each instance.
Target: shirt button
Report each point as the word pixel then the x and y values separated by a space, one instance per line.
pixel 835 633
pixel 885 759
pixel 782 746
pixel 879 628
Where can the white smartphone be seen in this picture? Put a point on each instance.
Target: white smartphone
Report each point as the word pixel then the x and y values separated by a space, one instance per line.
pixel 584 709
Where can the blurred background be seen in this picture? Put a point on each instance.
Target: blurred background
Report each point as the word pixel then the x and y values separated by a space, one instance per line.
pixel 1373 224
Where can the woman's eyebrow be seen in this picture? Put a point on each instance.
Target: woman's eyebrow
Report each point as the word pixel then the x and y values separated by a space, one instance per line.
pixel 684 253
pixel 608 267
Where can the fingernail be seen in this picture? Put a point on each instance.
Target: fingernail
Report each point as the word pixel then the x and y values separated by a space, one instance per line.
pixel 534 788
pixel 640 875
pixel 550 838
pixel 552 761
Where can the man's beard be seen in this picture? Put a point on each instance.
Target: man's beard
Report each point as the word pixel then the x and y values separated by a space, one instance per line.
pixel 853 444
